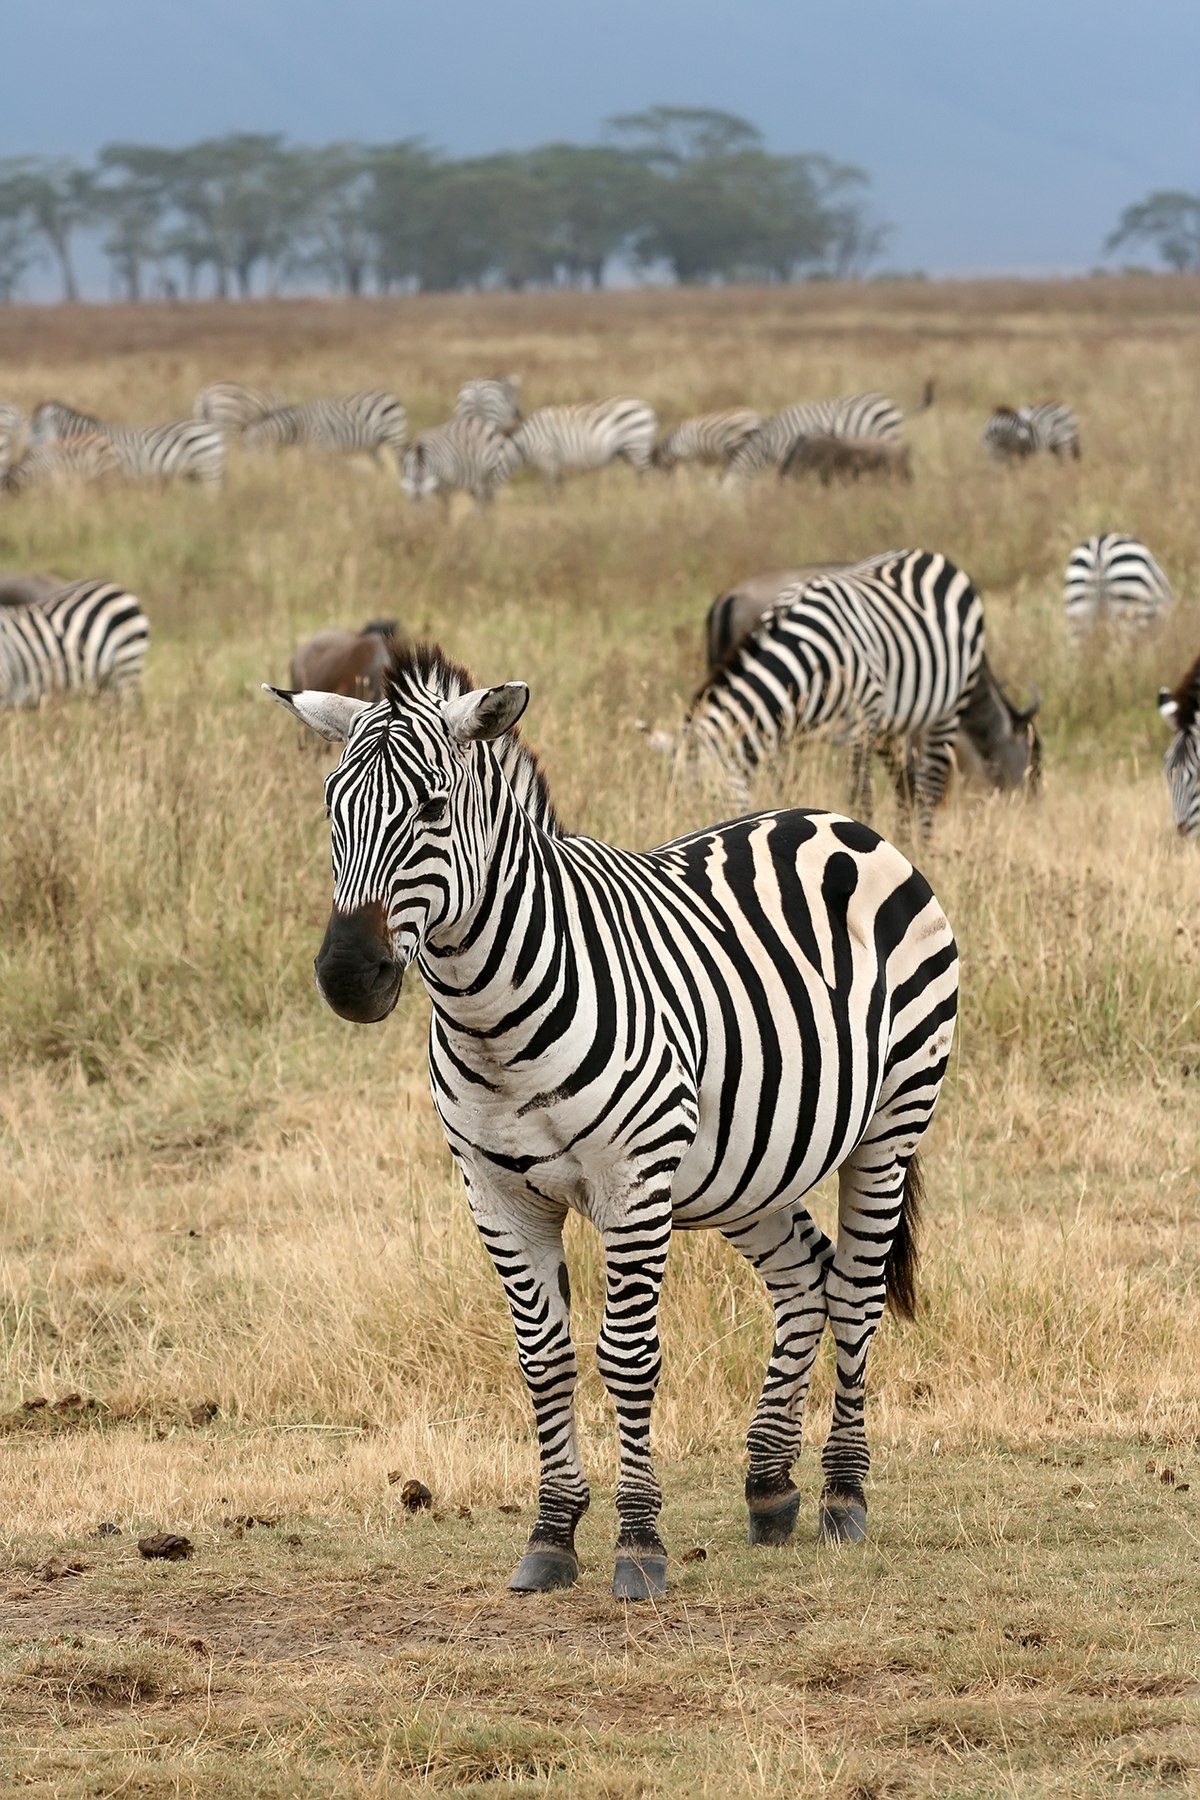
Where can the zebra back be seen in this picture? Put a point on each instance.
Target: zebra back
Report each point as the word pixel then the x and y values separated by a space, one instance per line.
pixel 465 455
pixel 346 424
pixel 91 457
pixel 1114 579
pixel 586 435
pixel 707 438
pixel 92 636
pixel 867 415
pixel 186 449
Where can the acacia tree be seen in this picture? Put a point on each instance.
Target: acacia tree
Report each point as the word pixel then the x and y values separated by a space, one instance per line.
pixel 1168 220
pixel 55 196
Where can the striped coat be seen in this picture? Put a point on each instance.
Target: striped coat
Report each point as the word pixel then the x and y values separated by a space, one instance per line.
pixel 92 636
pixel 1013 433
pixel 1113 580
pixel 586 436
pixel 1180 707
pixel 709 439
pixel 493 398
pixel 188 450
pixel 680 1039
pixel 853 416
pixel 231 405
pixel 466 455
pixel 370 423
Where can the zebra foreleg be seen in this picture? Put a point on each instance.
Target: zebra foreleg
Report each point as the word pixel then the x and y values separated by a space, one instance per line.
pixel 933 772
pixel 792 1254
pixel 862 792
pixel 870 1192
pixel 630 1361
pixel 529 1260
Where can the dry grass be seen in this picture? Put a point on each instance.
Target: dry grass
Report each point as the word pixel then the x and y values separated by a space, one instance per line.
pixel 214 1192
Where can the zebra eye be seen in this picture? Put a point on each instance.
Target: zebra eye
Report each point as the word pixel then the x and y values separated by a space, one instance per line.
pixel 432 811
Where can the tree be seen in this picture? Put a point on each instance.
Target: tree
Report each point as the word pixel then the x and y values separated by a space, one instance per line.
pixel 132 196
pixel 55 195
pixel 1167 219
pixel 334 186
pixel 17 255
pixel 594 199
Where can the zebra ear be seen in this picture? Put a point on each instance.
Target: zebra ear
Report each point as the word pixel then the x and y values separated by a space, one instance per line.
pixel 487 713
pixel 332 715
pixel 1168 706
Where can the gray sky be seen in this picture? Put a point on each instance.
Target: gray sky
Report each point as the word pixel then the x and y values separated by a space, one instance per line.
pixel 1000 135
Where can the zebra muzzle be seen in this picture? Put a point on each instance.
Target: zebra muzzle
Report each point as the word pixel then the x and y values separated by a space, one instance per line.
pixel 356 973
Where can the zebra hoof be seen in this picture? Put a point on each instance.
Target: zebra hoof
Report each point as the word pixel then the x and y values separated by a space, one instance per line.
pixel 541 1571
pixel 842 1520
pixel 640 1577
pixel 773 1521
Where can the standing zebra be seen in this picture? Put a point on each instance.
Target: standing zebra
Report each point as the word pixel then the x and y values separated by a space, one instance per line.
pixel 347 425
pixel 493 398
pixel 188 450
pixel 1113 579
pixel 690 1037
pixel 90 458
pixel 853 416
pixel 585 436
pixel 90 636
pixel 888 651
pixel 13 426
pixel 1013 433
pixel 1180 707
pixel 709 439
pixel 465 455
pixel 231 406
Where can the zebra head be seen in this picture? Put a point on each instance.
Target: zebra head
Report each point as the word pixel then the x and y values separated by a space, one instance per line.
pixel 410 807
pixel 1181 710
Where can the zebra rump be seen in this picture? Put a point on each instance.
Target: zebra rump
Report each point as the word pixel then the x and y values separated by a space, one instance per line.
pixel 1113 580
pixel 188 450
pixel 584 436
pixel 91 637
pixel 231 405
pixel 1012 433
pixel 493 398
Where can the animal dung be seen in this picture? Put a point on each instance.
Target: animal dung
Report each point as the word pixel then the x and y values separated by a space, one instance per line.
pixel 167 1546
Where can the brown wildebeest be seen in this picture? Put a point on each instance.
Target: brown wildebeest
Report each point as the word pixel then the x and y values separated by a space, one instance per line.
pixel 830 458
pixel 345 662
pixel 20 589
pixel 998 745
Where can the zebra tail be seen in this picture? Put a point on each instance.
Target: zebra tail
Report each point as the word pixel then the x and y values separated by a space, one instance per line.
pixel 900 1268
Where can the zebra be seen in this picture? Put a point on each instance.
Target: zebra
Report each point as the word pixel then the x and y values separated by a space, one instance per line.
pixel 347 425
pixel 231 406
pixel 13 427
pixel 493 398
pixel 465 454
pixel 1180 707
pixel 687 1037
pixel 584 436
pixel 187 450
pixel 1114 579
pixel 92 635
pixel 1013 433
pixel 888 651
pixel 709 439
pixel 853 416
pixel 90 458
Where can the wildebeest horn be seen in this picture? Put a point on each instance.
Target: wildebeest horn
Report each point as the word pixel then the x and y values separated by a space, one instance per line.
pixel 1033 704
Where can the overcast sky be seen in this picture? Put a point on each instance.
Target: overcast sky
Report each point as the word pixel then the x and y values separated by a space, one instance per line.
pixel 1000 135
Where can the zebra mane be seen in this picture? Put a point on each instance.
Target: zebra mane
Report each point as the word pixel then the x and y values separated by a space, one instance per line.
pixel 425 669
pixel 1186 696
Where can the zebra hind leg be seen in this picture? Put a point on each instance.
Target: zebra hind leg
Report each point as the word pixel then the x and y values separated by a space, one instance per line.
pixel 792 1254
pixel 878 1193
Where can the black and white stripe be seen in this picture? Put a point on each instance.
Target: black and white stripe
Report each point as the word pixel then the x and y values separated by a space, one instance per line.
pixel 585 436
pixel 231 405
pixel 1113 580
pixel 1013 433
pixel 496 399
pixel 465 455
pixel 188 450
pixel 709 439
pixel 1180 707
pixel 91 636
pixel 886 653
pixel 90 459
pixel 369 423
pixel 852 416
pixel 686 1038
pixel 13 428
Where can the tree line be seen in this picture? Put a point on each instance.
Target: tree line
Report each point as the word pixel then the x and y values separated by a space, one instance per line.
pixel 689 194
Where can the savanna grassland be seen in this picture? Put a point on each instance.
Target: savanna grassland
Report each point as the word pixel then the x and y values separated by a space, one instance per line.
pixel 236 1264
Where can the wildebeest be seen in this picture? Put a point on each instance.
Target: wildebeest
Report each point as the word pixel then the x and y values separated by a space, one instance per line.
pixel 18 588
pixel 346 662
pixel 832 458
pixel 734 614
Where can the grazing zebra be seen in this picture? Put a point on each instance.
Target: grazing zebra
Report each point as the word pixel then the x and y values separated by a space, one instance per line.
pixel 231 406
pixel 888 651
pixel 465 455
pixel 584 436
pixel 1013 433
pixel 188 450
pixel 709 438
pixel 13 426
pixel 853 416
pixel 1114 580
pixel 90 636
pixel 493 398
pixel 1180 707
pixel 348 425
pixel 689 1037
pixel 90 458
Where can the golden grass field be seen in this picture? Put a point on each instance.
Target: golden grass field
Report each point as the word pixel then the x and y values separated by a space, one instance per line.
pixel 215 1195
